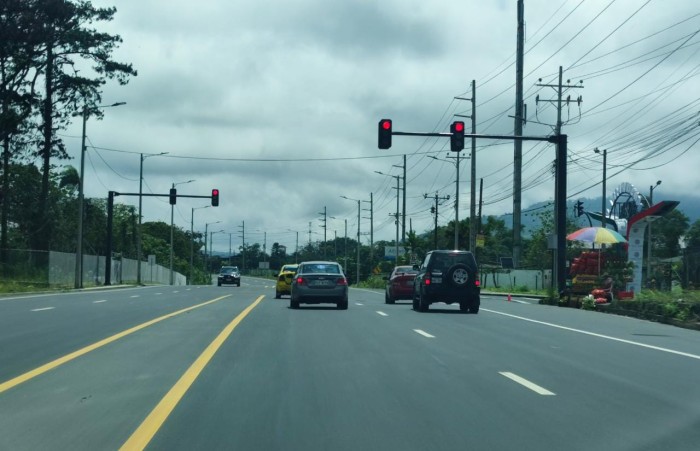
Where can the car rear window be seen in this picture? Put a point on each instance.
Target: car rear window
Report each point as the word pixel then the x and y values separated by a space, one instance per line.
pixel 319 268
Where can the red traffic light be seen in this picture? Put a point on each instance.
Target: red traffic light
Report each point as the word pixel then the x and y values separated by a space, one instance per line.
pixel 459 126
pixel 215 197
pixel 384 127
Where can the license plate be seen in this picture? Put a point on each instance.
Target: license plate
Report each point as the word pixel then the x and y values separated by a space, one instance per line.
pixel 437 279
pixel 323 282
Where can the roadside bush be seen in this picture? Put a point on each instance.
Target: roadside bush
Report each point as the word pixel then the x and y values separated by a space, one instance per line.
pixel 373 282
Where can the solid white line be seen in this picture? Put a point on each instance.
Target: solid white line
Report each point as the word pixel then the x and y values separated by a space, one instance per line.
pixel 42 309
pixel 99 302
pixel 593 334
pixel 423 333
pixel 526 383
pixel 382 313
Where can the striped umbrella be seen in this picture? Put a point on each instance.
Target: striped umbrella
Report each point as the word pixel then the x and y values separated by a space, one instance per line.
pixel 598 235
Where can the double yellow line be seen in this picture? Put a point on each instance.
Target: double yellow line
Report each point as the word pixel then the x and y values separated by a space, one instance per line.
pixel 148 428
pixel 80 352
pixel 145 432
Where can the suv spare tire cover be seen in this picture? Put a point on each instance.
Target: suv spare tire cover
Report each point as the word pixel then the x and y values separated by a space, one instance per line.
pixel 458 275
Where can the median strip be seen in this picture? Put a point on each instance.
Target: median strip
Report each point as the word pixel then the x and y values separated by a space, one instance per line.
pixel 150 426
pixel 80 352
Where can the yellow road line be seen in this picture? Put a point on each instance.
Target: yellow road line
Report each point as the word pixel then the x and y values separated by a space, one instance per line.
pixel 150 426
pixel 74 355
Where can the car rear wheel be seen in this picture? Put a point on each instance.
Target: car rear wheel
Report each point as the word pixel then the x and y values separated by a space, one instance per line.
pixel 219 283
pixel 388 299
pixel 416 301
pixel 423 303
pixel 293 304
pixel 277 295
pixel 343 305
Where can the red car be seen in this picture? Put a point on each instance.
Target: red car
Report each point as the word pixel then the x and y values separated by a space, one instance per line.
pixel 399 284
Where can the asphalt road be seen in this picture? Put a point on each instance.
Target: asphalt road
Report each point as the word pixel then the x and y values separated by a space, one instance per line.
pixel 206 367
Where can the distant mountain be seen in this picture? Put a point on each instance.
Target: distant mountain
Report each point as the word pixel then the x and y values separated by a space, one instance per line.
pixel 689 205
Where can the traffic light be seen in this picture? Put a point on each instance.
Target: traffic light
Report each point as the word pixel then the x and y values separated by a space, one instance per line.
pixel 215 197
pixel 457 138
pixel 579 208
pixel 384 133
pixel 173 196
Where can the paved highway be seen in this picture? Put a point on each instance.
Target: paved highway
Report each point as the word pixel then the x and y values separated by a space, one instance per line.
pixel 206 367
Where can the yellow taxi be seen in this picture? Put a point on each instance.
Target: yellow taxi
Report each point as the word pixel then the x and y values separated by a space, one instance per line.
pixel 284 280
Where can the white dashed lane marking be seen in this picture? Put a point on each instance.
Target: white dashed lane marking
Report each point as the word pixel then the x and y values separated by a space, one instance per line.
pixel 42 309
pixel 526 383
pixel 382 313
pixel 423 333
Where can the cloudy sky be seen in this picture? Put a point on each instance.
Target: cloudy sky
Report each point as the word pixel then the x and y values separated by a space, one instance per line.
pixel 276 103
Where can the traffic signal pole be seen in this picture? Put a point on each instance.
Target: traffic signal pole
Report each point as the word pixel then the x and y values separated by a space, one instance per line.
pixel 561 142
pixel 110 210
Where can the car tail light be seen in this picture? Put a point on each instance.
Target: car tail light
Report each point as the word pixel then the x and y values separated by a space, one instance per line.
pixel 427 281
pixel 300 281
pixel 477 282
pixel 342 281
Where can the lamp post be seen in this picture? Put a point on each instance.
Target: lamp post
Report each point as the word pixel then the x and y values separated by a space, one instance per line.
pixel 172 227
pixel 650 202
pixel 211 239
pixel 192 242
pixel 397 177
pixel 79 244
pixel 605 164
pixel 358 236
pixel 206 228
pixel 138 234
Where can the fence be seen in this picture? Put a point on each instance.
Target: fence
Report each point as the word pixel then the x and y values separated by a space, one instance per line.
pixel 514 278
pixel 57 269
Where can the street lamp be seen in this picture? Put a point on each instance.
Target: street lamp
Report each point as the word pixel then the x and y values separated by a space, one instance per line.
pixel 605 164
pixel 456 163
pixel 358 236
pixel 397 177
pixel 650 201
pixel 192 243
pixel 79 244
pixel 211 239
pixel 206 228
pixel 138 235
pixel 172 227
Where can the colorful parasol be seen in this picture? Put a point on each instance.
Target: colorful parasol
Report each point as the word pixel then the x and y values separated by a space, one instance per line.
pixel 598 235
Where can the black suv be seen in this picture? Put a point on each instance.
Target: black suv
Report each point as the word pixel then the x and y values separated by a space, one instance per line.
pixel 229 275
pixel 449 277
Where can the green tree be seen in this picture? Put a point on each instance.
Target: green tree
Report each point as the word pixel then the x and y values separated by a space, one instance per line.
pixel 666 233
pixel 68 38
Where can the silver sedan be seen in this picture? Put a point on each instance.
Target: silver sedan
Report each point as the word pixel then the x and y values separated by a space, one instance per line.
pixel 319 282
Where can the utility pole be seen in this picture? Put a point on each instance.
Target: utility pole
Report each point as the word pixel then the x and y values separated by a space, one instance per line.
pixel 472 200
pixel 403 222
pixel 435 211
pixel 242 227
pixel 324 231
pixel 371 228
pixel 518 144
pixel 560 177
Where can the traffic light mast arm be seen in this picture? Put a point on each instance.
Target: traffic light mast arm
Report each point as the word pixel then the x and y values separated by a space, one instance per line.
pixel 551 139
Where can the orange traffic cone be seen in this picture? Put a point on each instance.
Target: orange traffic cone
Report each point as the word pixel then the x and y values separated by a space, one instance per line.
pixel 509 297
